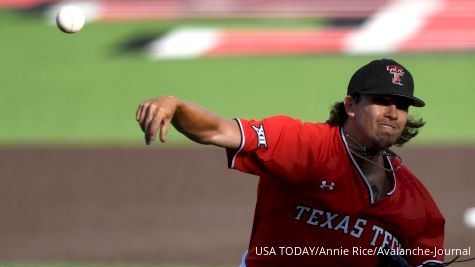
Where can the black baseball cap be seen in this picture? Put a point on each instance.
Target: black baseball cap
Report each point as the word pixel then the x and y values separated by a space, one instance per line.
pixel 384 76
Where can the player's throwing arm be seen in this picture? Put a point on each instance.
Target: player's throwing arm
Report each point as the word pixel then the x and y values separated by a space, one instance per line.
pixel 198 124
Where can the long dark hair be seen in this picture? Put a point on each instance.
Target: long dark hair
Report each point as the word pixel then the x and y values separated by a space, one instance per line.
pixel 338 117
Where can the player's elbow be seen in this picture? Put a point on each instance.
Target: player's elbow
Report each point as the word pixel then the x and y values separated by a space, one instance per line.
pixel 227 135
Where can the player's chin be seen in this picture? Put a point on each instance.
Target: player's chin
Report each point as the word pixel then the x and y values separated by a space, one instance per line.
pixel 387 140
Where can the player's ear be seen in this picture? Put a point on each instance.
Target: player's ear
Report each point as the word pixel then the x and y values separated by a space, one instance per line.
pixel 349 103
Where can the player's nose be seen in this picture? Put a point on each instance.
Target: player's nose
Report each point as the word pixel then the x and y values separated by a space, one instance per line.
pixel 391 112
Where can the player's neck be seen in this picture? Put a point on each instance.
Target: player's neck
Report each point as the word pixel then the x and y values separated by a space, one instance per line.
pixel 358 143
pixel 370 164
pixel 370 161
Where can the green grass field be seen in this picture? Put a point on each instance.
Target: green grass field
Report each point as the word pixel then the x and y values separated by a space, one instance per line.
pixel 77 89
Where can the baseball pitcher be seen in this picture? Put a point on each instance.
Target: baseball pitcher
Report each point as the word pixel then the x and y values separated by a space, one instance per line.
pixel 332 193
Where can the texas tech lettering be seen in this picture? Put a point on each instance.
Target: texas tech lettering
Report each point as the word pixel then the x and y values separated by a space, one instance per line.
pixel 347 225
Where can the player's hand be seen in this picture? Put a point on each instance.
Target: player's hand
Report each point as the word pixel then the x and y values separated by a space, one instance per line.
pixel 156 113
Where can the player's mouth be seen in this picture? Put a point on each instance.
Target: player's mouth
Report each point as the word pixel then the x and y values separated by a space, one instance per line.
pixel 389 128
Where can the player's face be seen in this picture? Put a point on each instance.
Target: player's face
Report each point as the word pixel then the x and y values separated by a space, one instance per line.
pixel 380 119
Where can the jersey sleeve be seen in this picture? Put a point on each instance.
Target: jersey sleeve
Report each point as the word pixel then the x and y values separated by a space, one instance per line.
pixel 278 146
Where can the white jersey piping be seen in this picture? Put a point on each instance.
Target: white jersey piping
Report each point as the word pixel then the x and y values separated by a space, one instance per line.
pixel 243 259
pixel 362 174
pixel 358 167
pixel 394 178
pixel 429 261
pixel 243 141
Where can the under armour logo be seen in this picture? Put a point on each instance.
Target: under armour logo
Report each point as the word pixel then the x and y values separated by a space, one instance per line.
pixel 324 185
pixel 397 72
pixel 261 135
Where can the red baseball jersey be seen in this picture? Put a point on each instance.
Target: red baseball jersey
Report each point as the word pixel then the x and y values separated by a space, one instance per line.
pixel 315 207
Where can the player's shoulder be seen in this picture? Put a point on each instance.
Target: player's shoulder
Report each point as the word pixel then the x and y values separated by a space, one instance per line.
pixel 320 132
pixel 279 120
pixel 285 119
pixel 318 128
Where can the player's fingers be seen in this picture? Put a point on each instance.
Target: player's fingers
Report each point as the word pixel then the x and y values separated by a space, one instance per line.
pixel 154 118
pixel 147 139
pixel 164 130
pixel 151 114
pixel 143 114
pixel 147 118
pixel 141 110
pixel 138 112
pixel 153 127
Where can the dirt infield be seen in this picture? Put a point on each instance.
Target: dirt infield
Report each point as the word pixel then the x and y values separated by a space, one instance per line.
pixel 165 205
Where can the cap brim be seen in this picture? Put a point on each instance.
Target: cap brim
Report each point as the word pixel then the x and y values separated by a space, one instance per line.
pixel 416 102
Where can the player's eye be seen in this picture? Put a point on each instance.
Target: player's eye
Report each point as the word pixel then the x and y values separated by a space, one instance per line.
pixel 402 105
pixel 381 100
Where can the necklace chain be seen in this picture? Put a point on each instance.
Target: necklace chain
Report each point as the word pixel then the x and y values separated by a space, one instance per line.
pixel 361 152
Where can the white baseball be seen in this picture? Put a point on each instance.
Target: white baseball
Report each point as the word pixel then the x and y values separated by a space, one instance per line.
pixel 70 19
pixel 469 217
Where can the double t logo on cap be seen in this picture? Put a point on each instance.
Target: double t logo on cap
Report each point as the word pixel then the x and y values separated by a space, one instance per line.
pixel 397 71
